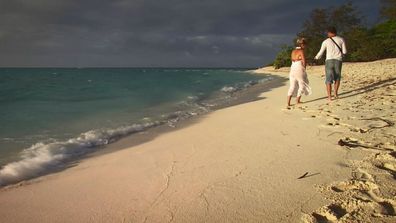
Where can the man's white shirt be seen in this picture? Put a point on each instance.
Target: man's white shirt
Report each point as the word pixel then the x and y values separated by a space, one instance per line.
pixel 332 51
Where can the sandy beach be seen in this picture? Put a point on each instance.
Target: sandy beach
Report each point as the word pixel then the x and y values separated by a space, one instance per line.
pixel 254 162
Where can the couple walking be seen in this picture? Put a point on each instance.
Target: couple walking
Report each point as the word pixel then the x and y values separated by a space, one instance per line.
pixel 335 50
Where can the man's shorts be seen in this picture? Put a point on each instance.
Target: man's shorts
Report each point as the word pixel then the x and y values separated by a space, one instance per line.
pixel 333 71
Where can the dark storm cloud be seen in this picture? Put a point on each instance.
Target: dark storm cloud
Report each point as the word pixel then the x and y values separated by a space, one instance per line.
pixel 151 32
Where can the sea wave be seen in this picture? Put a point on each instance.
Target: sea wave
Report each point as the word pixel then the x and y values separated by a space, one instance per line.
pixel 44 157
pixel 41 157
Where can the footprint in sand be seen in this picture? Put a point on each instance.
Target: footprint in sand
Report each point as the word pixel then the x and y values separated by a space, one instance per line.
pixel 380 206
pixel 352 197
pixel 345 186
pixel 333 212
pixel 362 175
pixel 357 185
pixel 357 129
pixel 382 209
pixel 330 123
pixel 302 107
pixel 389 167
pixel 387 162
pixel 330 213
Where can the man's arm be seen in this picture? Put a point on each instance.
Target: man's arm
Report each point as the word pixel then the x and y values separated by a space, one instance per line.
pixel 321 51
pixel 343 47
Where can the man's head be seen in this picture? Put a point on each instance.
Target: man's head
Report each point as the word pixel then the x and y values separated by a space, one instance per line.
pixel 331 31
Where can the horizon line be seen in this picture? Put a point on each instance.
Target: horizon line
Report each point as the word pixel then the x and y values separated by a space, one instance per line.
pixel 143 67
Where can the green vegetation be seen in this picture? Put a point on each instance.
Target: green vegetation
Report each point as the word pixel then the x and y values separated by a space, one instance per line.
pixel 363 43
pixel 283 57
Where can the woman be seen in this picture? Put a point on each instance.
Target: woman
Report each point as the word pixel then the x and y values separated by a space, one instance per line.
pixel 298 77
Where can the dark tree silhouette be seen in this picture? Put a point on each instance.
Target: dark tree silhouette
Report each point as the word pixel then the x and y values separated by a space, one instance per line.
pixel 388 9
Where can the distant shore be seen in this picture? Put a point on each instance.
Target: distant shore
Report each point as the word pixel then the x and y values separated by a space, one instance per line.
pixel 253 162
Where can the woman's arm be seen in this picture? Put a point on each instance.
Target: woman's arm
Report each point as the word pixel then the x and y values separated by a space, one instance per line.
pixel 303 59
pixel 292 55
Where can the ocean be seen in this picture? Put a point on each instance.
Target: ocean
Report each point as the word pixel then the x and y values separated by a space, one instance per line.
pixel 50 116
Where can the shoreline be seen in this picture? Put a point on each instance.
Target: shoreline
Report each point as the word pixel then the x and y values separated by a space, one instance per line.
pixel 219 101
pixel 236 164
pixel 247 95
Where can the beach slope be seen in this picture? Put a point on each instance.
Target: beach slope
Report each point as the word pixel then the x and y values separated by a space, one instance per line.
pixel 254 162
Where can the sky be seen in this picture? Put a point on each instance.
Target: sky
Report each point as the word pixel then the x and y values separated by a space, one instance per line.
pixel 153 33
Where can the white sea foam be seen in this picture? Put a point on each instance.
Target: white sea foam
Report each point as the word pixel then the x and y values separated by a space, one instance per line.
pixel 193 97
pixel 241 86
pixel 228 89
pixel 43 157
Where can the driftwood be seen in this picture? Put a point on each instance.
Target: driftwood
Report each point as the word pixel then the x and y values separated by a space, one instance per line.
pixel 388 122
pixel 304 175
pixel 354 144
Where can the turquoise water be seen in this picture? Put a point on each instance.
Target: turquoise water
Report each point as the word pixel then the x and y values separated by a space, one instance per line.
pixel 49 115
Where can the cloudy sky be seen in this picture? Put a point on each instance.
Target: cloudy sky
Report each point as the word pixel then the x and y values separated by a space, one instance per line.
pixel 162 33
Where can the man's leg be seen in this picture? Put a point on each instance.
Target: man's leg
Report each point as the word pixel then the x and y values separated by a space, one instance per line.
pixel 337 77
pixel 328 87
pixel 336 86
pixel 329 69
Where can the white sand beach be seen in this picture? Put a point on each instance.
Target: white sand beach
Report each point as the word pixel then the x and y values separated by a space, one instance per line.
pixel 242 163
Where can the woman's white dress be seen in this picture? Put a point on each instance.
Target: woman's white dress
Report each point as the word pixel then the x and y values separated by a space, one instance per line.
pixel 299 84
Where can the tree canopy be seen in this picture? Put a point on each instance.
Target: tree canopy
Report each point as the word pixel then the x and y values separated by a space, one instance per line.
pixel 388 9
pixel 363 43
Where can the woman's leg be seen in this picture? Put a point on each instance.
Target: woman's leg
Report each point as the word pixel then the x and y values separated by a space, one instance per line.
pixel 299 99
pixel 288 100
pixel 300 90
pixel 293 83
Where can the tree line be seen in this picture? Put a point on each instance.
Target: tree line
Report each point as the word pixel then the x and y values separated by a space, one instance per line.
pixel 363 43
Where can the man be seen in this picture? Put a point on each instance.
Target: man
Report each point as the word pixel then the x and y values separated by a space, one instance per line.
pixel 335 49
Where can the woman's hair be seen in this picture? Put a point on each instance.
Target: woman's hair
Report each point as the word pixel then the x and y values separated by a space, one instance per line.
pixel 300 41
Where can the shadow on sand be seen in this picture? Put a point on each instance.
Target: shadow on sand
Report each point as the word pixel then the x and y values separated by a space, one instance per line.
pixel 354 92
